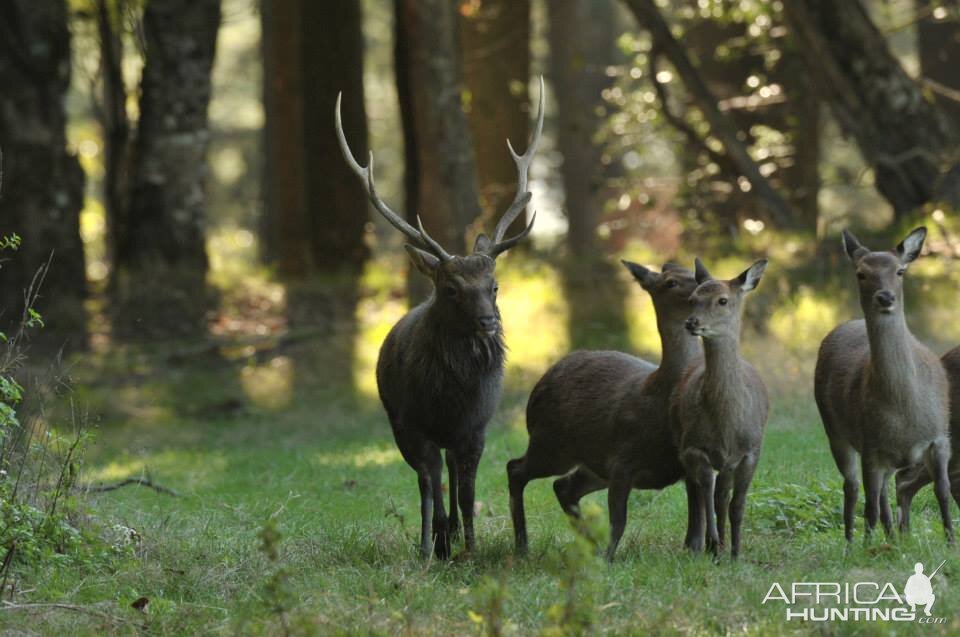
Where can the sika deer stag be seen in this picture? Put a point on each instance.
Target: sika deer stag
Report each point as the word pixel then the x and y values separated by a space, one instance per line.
pixel 605 414
pixel 440 369
pixel 881 393
pixel 719 410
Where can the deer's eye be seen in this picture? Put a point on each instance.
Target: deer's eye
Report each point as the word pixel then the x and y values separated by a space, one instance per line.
pixel 672 283
pixel 496 288
pixel 722 301
pixel 861 276
pixel 450 291
pixel 901 271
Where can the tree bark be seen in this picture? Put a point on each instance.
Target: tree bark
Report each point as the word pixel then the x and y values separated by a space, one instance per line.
pixel 161 258
pixel 649 18
pixel 938 46
pixel 435 127
pixel 902 135
pixel 41 193
pixel 315 209
pixel 495 48
pixel 582 43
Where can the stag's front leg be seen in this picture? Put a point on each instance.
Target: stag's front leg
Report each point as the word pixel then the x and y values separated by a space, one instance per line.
pixel 468 460
pixel 453 521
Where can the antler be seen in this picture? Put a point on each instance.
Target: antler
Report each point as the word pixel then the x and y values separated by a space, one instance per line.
pixel 498 244
pixel 418 236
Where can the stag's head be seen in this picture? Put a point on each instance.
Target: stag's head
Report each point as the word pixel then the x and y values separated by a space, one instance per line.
pixel 670 289
pixel 880 274
pixel 464 287
pixel 716 304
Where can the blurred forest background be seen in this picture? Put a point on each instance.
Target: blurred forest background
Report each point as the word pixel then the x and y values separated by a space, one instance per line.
pixel 174 163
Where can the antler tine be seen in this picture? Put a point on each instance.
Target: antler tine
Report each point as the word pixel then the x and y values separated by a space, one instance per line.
pixel 434 246
pixel 502 246
pixel 523 166
pixel 366 175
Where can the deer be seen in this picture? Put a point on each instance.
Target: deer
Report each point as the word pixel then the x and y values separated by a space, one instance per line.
pixel 440 368
pixel 602 416
pixel 883 395
pixel 719 411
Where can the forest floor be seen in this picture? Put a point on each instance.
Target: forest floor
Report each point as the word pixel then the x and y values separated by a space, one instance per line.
pixel 324 474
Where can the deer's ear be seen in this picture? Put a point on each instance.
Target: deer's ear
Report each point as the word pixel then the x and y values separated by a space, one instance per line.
pixel 750 277
pixel 852 246
pixel 909 249
pixel 425 262
pixel 700 272
pixel 482 244
pixel 645 276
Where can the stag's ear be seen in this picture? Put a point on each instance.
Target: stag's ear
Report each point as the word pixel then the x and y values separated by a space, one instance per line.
pixel 852 246
pixel 750 277
pixel 700 272
pixel 425 262
pixel 482 244
pixel 909 249
pixel 645 276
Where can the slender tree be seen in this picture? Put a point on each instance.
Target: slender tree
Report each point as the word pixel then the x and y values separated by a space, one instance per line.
pixel 938 46
pixel 430 82
pixel 41 193
pixel 901 132
pixel 582 37
pixel 161 258
pixel 495 49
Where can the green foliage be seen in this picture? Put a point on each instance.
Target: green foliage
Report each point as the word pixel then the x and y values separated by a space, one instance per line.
pixel 490 599
pixel 797 509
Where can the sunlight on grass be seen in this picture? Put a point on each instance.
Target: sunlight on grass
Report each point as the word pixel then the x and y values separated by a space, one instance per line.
pixel 184 465
pixel 534 315
pixel 800 323
pixel 271 385
pixel 641 320
pixel 377 311
pixel 372 456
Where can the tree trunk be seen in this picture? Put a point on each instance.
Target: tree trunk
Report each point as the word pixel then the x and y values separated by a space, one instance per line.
pixel 112 114
pixel 315 209
pixel 435 127
pixel 161 259
pixel 582 38
pixel 41 193
pixel 938 45
pixel 901 134
pixel 495 47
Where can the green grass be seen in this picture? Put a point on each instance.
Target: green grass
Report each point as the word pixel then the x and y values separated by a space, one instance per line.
pixel 325 469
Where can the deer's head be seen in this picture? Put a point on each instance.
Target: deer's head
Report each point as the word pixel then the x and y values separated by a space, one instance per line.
pixel 880 274
pixel 716 304
pixel 670 289
pixel 465 288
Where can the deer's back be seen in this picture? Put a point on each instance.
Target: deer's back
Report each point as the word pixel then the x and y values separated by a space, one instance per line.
pixel 572 407
pixel 445 388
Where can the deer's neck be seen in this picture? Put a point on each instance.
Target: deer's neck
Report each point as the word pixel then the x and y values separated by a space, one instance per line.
pixel 892 356
pixel 722 370
pixel 678 348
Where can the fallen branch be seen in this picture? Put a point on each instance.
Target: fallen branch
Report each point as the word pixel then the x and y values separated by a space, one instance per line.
pixel 140 482
pixel 86 610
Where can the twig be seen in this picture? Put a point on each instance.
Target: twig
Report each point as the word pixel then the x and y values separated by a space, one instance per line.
pixel 140 482
pixel 60 606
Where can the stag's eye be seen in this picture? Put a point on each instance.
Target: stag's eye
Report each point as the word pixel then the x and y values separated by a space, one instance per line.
pixel 450 291
pixel 672 283
pixel 722 301
pixel 901 271
pixel 496 288
pixel 861 276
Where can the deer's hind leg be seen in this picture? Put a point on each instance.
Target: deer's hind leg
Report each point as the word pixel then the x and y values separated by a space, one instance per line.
pixel 540 461
pixel 886 516
pixel 909 480
pixel 571 488
pixel 937 460
pixel 697 466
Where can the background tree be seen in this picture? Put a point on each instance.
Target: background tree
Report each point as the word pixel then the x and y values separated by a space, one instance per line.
pixel 438 148
pixel 495 50
pixel 164 239
pixel 42 183
pixel 938 46
pixel 901 133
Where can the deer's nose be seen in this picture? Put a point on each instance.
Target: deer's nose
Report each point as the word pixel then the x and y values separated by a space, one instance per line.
pixel 692 323
pixel 487 323
pixel 885 298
